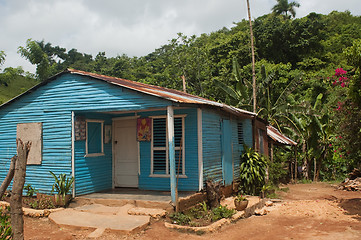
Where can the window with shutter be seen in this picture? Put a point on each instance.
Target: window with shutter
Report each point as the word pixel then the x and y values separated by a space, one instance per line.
pixel 94 138
pixel 240 133
pixel 160 162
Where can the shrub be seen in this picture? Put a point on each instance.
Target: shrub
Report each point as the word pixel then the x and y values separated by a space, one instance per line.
pixel 180 218
pixel 62 184
pixel 5 226
pixel 222 212
pixel 30 191
pixel 42 203
pixel 252 171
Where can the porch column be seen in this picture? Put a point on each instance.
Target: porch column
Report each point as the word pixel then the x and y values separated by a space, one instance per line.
pixel 171 154
pixel 73 150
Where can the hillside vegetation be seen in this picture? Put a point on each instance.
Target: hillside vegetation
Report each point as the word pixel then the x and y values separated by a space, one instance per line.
pixel 14 82
pixel 308 80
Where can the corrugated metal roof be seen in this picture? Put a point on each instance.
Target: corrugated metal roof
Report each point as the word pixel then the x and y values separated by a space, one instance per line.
pixel 278 137
pixel 165 93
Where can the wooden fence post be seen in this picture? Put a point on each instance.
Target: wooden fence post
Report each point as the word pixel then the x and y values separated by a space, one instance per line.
pixel 17 221
pixel 8 177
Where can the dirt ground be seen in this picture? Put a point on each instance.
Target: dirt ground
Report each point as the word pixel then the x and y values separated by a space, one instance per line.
pixel 307 211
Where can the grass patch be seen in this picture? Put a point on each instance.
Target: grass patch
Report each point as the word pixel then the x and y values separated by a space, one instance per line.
pixel 200 215
pixel 17 85
pixel 5 223
pixel 304 181
pixel 286 189
pixel 273 195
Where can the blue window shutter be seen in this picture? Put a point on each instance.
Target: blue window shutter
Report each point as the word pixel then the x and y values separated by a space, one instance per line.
pixel 159 161
pixel 94 137
pixel 160 145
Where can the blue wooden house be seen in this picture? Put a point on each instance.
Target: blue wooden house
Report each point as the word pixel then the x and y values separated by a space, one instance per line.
pixel 109 132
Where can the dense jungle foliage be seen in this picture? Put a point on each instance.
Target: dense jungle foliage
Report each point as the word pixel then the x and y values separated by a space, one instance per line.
pixel 308 79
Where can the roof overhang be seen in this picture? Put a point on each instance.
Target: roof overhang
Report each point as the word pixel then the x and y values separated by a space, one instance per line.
pixel 278 137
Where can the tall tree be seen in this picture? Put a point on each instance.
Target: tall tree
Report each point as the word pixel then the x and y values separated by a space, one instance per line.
pixel 35 54
pixel 2 57
pixel 283 7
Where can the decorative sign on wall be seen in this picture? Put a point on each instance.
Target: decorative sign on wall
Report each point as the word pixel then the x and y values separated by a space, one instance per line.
pixel 80 129
pixel 107 133
pixel 144 132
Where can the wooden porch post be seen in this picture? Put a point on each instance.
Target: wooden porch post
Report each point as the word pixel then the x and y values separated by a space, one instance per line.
pixel 171 155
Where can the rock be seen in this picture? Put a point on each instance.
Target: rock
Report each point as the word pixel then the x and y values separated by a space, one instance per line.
pixel 260 212
pixel 153 212
pixel 269 203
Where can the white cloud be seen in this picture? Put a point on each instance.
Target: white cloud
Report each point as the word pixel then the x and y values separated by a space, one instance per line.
pixel 134 27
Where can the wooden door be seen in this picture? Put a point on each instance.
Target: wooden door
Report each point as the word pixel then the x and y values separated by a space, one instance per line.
pixel 125 153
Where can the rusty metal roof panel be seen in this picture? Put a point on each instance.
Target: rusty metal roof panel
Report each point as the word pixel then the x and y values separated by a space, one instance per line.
pixel 278 137
pixel 166 93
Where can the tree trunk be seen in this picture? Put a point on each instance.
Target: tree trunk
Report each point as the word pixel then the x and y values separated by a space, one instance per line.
pixel 296 169
pixel 17 221
pixel 291 168
pixel 314 169
pixel 213 193
pixel 319 164
pixel 305 160
pixel 8 177
pixel 253 60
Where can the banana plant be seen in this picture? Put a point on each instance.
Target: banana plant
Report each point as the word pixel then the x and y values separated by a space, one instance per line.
pixel 252 171
pixel 240 93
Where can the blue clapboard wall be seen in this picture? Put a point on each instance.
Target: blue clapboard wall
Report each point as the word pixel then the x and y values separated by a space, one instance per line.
pixel 212 143
pixel 52 105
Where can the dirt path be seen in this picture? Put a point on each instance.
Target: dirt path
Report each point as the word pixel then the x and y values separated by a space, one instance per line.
pixel 308 211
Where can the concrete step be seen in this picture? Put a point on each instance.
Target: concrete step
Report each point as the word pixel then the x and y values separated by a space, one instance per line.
pixel 152 212
pixel 101 217
pixel 80 201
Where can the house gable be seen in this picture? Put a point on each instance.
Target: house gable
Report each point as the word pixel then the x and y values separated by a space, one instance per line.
pixel 52 104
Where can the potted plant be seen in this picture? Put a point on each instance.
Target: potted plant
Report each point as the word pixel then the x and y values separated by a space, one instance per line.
pixel 62 185
pixel 240 202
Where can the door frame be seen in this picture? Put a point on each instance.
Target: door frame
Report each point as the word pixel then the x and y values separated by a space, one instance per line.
pixel 113 145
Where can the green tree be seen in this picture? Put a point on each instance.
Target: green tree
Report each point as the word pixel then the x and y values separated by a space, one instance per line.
pixel 34 53
pixel 2 57
pixel 283 7
pixel 349 110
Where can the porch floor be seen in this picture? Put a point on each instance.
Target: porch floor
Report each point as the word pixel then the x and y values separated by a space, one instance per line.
pixel 135 194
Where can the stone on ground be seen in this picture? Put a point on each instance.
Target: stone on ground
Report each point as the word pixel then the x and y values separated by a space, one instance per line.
pixel 153 212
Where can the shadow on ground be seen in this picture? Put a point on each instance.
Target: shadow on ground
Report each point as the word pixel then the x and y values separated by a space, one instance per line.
pixel 352 206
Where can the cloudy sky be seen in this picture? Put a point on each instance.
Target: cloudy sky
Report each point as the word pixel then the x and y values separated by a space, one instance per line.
pixel 132 27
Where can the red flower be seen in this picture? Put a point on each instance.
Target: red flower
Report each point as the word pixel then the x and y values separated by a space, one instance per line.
pixel 339 71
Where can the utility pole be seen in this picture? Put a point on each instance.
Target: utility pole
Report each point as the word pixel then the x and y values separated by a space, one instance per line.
pixel 184 83
pixel 253 61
